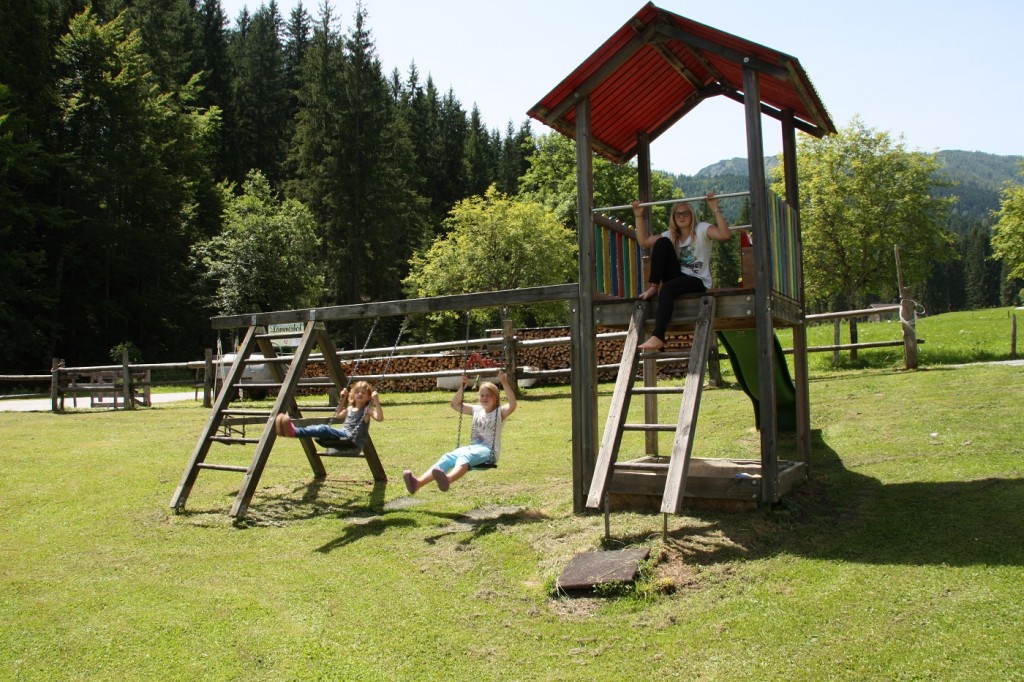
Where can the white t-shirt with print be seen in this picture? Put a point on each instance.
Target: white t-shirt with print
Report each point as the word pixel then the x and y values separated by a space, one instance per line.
pixel 695 254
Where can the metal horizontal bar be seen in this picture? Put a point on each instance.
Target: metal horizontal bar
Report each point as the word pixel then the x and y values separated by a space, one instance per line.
pixel 670 201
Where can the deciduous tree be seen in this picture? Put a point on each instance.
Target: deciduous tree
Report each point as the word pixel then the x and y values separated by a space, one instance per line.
pixel 861 194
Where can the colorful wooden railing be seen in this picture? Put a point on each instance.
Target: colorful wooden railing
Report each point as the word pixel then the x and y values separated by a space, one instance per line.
pixel 619 265
pixel 782 239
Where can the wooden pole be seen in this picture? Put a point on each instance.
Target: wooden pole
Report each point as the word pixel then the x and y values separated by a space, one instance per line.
pixel 908 316
pixel 650 368
pixel 208 378
pixel 511 365
pixel 584 353
pixel 836 340
pixel 768 409
pixel 56 404
pixel 801 372
pixel 1013 336
pixel 908 321
pixel 126 382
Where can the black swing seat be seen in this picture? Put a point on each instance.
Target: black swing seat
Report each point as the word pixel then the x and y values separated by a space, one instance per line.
pixel 338 448
pixel 488 465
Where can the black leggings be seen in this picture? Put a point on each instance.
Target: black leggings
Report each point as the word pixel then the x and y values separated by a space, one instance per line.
pixel 665 269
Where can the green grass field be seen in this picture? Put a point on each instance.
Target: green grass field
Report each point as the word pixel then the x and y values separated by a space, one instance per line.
pixel 901 558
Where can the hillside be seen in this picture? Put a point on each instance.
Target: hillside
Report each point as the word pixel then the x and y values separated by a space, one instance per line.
pixel 975 178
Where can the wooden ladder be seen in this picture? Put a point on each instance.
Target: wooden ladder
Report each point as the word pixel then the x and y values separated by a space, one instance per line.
pixel 221 427
pixel 615 425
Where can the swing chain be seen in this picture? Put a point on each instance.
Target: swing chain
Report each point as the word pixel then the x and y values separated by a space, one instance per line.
pixel 387 364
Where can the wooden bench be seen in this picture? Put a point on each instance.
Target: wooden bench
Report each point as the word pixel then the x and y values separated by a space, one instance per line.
pixel 105 388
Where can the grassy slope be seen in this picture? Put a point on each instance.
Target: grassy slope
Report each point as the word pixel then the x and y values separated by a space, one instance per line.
pixel 901 558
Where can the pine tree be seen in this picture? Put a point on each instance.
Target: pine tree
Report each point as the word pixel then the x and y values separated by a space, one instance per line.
pixel 515 150
pixel 261 97
pixel 133 197
pixel 480 156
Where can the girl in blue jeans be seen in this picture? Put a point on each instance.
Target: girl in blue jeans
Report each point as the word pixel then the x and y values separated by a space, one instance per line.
pixel 485 436
pixel 356 407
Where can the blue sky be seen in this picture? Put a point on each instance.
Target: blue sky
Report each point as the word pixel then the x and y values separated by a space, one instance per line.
pixel 943 75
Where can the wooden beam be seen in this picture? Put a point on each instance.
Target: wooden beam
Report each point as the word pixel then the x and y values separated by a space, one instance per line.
pixel 674 32
pixel 412 306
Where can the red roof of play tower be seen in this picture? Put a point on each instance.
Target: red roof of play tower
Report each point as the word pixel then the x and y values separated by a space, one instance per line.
pixel 658 67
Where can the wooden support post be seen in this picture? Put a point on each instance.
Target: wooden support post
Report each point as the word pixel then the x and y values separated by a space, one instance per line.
pixel 584 351
pixel 650 367
pixel 763 290
pixel 801 372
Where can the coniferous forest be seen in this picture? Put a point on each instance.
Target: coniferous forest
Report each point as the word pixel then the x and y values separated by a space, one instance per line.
pixel 141 140
pixel 125 124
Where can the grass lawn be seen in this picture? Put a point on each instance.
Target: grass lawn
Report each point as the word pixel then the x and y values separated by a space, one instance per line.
pixel 902 558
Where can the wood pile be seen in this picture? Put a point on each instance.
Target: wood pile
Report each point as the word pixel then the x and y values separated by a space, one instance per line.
pixel 608 351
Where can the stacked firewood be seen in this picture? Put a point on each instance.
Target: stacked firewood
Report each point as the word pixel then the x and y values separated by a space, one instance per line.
pixel 608 351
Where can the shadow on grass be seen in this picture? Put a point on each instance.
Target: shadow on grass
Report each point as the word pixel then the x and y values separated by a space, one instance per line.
pixel 475 523
pixel 840 515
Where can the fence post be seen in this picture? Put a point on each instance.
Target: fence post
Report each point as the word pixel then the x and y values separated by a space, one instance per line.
pixel 1013 336
pixel 853 340
pixel 836 339
pixel 126 382
pixel 908 320
pixel 208 378
pixel 511 364
pixel 56 404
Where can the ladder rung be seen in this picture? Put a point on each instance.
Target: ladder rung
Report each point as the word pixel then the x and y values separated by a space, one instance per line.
pixel 234 420
pixel 658 389
pixel 642 466
pixel 245 413
pixel 234 441
pixel 664 355
pixel 222 467
pixel 649 427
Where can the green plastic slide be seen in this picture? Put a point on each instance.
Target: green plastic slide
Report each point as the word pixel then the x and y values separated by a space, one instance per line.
pixel 742 349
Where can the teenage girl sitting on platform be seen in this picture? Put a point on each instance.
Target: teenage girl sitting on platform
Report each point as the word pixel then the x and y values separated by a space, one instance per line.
pixel 680 259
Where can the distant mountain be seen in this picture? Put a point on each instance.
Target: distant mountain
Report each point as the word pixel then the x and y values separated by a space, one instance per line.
pixel 736 166
pixel 975 178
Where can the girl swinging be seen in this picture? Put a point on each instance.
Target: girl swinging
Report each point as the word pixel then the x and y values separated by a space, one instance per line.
pixel 485 436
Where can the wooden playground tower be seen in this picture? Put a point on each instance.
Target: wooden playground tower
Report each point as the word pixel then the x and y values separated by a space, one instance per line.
pixel 646 77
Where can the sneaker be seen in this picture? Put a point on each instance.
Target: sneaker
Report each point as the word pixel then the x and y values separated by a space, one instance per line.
pixel 410 481
pixel 441 478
